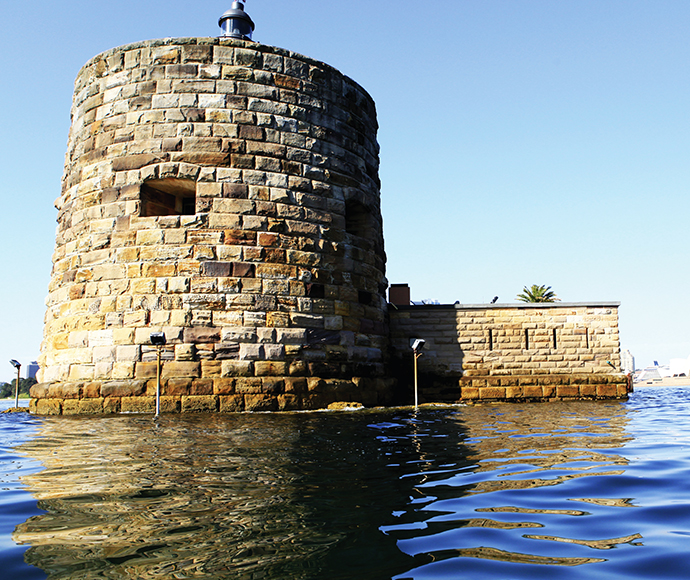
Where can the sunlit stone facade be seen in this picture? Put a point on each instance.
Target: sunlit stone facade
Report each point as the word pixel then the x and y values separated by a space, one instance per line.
pixel 225 193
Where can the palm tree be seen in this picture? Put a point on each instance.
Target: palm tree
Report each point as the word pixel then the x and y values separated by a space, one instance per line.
pixel 538 294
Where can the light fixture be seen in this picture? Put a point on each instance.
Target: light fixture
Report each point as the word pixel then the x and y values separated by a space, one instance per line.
pixel 158 340
pixel 17 365
pixel 236 23
pixel 417 346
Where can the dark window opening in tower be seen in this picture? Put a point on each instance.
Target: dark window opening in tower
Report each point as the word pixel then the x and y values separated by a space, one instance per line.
pixel 168 197
pixel 358 220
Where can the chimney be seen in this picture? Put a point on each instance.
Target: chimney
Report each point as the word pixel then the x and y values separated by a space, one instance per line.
pixel 399 294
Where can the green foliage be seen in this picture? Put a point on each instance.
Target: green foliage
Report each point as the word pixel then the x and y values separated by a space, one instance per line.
pixel 537 293
pixel 7 389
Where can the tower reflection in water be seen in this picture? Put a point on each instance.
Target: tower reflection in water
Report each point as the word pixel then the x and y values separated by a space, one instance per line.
pixel 314 495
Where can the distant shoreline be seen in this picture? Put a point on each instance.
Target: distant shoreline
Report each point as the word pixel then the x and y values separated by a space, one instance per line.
pixel 664 382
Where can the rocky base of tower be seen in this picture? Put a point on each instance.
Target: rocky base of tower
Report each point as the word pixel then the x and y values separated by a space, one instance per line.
pixel 225 395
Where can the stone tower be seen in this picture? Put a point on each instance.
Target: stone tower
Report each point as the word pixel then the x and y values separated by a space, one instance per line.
pixel 225 193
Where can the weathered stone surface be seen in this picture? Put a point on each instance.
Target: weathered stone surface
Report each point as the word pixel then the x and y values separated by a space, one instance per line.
pixel 200 404
pixel 345 406
pixel 70 406
pixel 177 387
pixel 260 403
pixel 138 405
pixel 39 390
pixel 231 403
pixel 49 407
pixel 123 388
pixel 91 406
pixel 180 370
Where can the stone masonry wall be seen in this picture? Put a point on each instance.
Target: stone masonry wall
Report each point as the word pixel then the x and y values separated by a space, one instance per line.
pixel 225 193
pixel 516 351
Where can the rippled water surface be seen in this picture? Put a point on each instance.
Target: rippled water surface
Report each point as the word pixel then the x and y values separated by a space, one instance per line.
pixel 555 490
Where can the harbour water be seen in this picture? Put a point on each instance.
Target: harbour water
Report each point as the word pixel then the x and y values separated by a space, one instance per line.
pixel 556 490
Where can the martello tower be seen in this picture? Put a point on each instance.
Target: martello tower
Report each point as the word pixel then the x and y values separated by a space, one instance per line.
pixel 226 194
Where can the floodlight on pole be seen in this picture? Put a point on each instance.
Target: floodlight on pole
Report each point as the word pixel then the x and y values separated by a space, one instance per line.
pixel 158 340
pixel 417 346
pixel 17 365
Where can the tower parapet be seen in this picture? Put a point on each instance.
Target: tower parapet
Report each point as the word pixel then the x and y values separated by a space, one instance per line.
pixel 225 193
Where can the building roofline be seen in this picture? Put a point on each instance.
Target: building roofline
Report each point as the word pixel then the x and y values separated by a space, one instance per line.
pixel 504 305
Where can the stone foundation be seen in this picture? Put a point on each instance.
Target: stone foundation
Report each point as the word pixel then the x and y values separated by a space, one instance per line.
pixel 225 395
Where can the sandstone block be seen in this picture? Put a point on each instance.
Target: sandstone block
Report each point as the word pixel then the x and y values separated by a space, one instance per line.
pixel 65 390
pixel 492 393
pixel 92 390
pixel 111 405
pixel 237 368
pixel 170 404
pixel 274 352
pixel 138 405
pixel 248 385
pixel 118 389
pixel 176 387
pixel 223 386
pixel 533 391
pixel 295 386
pixel 123 370
pixel 211 368
pixel 39 390
pixel 567 391
pixel 207 334
pixel 469 393
pixel 261 403
pixel 145 370
pixel 180 369
pixel 70 407
pixel 514 393
pixel 90 406
pixel 49 407
pixel 607 391
pixel 202 387
pixel 200 404
pixel 231 403
pixel 250 352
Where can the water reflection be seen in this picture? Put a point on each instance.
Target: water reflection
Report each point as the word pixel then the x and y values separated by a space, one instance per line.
pixel 529 463
pixel 363 495
pixel 283 496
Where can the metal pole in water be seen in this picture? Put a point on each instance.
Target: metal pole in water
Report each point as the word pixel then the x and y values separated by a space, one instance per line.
pixel 17 365
pixel 158 340
pixel 417 346
pixel 415 380
pixel 158 380
pixel 16 390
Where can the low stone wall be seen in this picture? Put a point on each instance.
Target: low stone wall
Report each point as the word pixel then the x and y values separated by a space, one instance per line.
pixel 515 352
pixel 225 395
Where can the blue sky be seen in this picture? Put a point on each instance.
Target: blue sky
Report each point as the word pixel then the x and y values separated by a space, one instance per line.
pixel 522 142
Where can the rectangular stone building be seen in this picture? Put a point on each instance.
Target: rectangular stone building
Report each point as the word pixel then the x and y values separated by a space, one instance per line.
pixel 519 351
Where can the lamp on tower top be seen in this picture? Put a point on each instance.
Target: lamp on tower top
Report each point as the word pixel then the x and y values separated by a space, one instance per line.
pixel 235 23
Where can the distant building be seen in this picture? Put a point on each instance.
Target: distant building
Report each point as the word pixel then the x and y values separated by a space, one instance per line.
pixel 32 369
pixel 680 367
pixel 627 362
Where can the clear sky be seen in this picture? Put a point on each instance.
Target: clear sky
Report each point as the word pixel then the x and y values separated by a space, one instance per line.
pixel 522 142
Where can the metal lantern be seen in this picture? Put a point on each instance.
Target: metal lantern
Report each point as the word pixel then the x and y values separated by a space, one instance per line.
pixel 236 23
